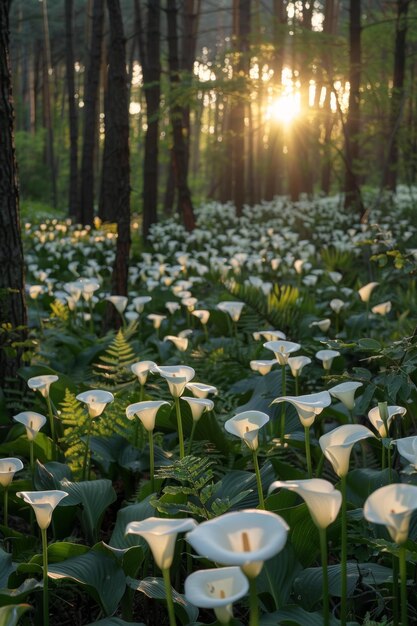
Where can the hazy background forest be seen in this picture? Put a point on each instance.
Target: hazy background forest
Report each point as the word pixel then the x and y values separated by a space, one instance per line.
pixel 268 97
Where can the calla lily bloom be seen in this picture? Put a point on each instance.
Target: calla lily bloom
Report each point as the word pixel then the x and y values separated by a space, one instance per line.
pixel 327 356
pixel 377 422
pixel 177 376
pixel 282 349
pixel 246 425
pixel 88 286
pixel 198 406
pixel 336 305
pixel 141 369
pixel 140 301
pixel 181 343
pixel 119 302
pixel 234 309
pixel 146 411
pixel 202 314
pixel 263 367
pixel 246 538
pixel 308 406
pixel 382 309
pixel 201 390
pixel 96 401
pixel 345 392
pixel 156 319
pixel 172 307
pixel 216 589
pixel 337 445
pixel 161 535
pixel 392 506
pixel 323 325
pixel 42 383
pixel 297 363
pixel 322 499
pixel 8 468
pixel 407 447
pixel 32 421
pixel 269 335
pixel 366 291
pixel 43 503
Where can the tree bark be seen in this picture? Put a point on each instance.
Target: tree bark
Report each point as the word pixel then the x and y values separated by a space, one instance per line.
pixel 73 208
pixel 47 113
pixel 179 146
pixel 12 294
pixel 86 215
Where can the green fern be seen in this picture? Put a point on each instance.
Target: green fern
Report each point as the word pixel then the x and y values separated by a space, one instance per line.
pixel 114 366
pixel 60 312
pixel 195 493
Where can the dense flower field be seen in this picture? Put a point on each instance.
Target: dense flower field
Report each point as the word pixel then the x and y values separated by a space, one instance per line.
pixel 242 449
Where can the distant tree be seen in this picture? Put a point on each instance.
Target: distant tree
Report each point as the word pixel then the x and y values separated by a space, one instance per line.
pixel 47 104
pixel 73 197
pixel 179 146
pixel 12 294
pixel 90 109
pixel 116 167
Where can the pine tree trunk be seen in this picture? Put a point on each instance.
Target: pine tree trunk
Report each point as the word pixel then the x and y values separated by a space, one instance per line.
pixel 12 294
pixel 47 112
pixel 72 110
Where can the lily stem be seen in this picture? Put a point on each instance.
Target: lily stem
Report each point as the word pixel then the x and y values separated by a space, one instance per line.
pixel 32 458
pixel 283 392
pixel 258 479
pixel 343 606
pixel 323 549
pixel 151 460
pixel 51 418
pixel 168 592
pixel 297 384
pixel 395 597
pixel 308 451
pixel 45 578
pixel 190 442
pixel 403 582
pixel 86 464
pixel 253 603
pixel 179 426
pixel 6 506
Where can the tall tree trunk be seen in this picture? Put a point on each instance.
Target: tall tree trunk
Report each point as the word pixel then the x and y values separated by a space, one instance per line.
pixel 73 208
pixel 47 112
pixel 149 52
pixel 179 145
pixel 86 215
pixel 116 165
pixel 329 29
pixel 353 197
pixel 397 96
pixel 12 293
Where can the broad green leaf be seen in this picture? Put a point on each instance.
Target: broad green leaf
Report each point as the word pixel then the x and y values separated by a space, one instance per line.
pixel 303 533
pixel 132 513
pixel 294 615
pixel 6 567
pixel 11 596
pixel 362 482
pixel 98 573
pixel 10 615
pixel 49 476
pixel 43 447
pixel 236 482
pixel 368 344
pixel 274 583
pixel 114 621
pixel 155 588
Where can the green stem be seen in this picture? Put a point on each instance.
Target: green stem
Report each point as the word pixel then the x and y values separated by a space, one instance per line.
pixel 32 458
pixel 389 465
pixel 258 479
pixel 320 465
pixel 90 308
pixel 308 451
pixel 403 582
pixel 51 419
pixel 283 392
pixel 179 426
pixel 323 549
pixel 87 450
pixel 297 385
pixel 343 565
pixel 383 455
pixel 395 607
pixel 151 460
pixel 190 443
pixel 170 602
pixel 6 506
pixel 45 578
pixel 136 432
pixel 253 603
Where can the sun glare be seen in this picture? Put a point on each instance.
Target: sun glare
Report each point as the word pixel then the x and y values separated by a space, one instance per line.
pixel 285 108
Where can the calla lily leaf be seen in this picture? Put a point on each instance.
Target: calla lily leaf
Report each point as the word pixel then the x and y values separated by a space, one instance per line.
pixel 274 583
pixel 308 585
pixel 155 588
pixel 49 475
pixel 362 482
pixel 99 573
pixel 6 567
pixel 114 621
pixel 132 513
pixel 11 596
pixel 294 615
pixel 10 615
pixel 43 447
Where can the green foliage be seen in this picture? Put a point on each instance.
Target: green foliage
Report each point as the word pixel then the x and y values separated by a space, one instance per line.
pixel 75 421
pixel 113 368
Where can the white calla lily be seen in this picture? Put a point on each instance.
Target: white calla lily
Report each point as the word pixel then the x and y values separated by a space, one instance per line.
pixel 42 383
pixel 119 302
pixel 282 349
pixel 217 589
pixel 201 314
pixel 201 390
pixel 322 325
pixel 297 363
pixel 146 411
pixel 269 335
pixel 245 538
pixel 326 357
pixel 161 536
pixel 337 305
pixel 263 367
pixel 345 392
pixel 374 416
pixel 43 503
pixel 140 301
pixel 177 376
pixel 407 448
pixel 246 426
pixel 96 401
pixel 233 309
pixel 366 291
pixel 337 445
pixel 198 406
pixel 392 506
pixel 32 421
pixel 156 319
pixel 382 309
pixel 307 406
pixel 141 369
pixel 181 343
pixel 8 468
pixel 322 499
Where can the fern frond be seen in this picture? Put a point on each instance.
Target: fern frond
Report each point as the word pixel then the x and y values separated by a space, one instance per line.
pixel 114 365
pixel 60 311
pixel 75 421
